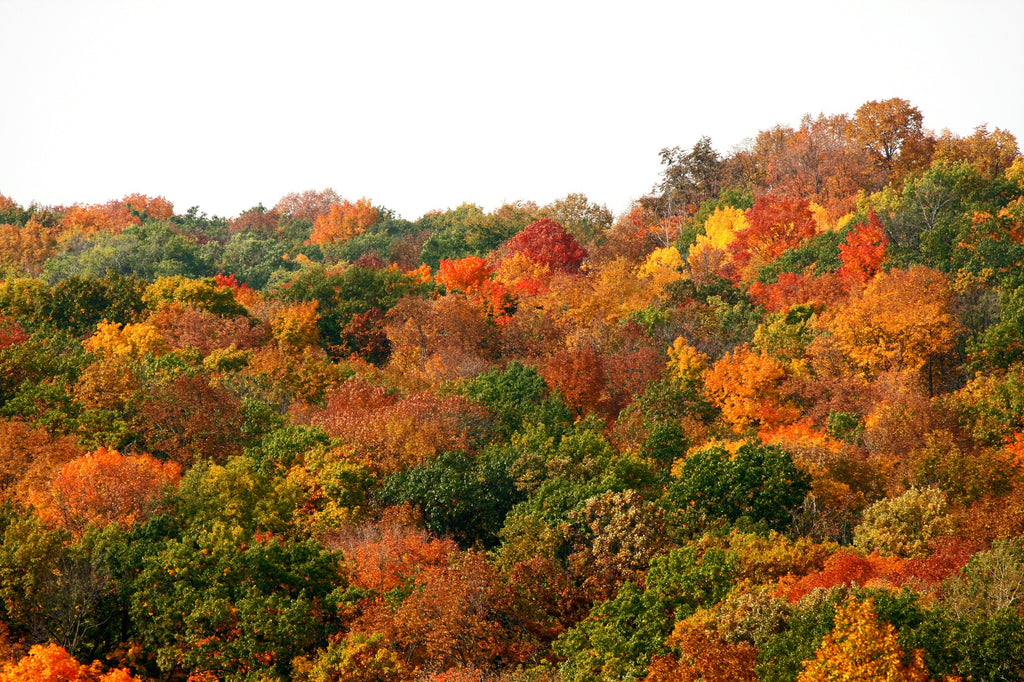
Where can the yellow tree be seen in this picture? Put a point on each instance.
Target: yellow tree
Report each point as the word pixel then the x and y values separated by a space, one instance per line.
pixel 862 648
pixel 710 252
pixel 132 340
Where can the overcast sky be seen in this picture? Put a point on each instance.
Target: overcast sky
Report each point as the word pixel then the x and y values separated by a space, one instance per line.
pixel 424 105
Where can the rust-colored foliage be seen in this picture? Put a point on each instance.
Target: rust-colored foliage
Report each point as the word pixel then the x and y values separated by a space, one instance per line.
pixel 11 333
pixel 182 328
pixel 820 161
pixel 344 221
pixel 545 241
pixel 457 616
pixel 843 568
pixel 546 599
pixel 384 554
pixel 450 337
pixel 29 455
pixel 704 656
pixel 389 433
pixel 473 276
pixel 52 663
pixel 104 487
pixel 579 375
pixel 256 219
pixel 188 419
pixel 790 289
pixel 891 131
pixel 948 556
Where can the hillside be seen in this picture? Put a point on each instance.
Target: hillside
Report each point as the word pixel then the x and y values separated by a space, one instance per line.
pixel 766 425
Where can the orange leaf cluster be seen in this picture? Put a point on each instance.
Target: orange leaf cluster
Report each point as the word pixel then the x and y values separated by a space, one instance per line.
pixel 344 221
pixel 105 487
pixel 389 433
pixel 52 663
pixel 843 568
pixel 384 554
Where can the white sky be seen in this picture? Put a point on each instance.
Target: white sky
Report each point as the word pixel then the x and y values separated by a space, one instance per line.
pixel 427 104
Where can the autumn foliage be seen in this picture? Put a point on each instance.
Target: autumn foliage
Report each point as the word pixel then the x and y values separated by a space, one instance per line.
pixel 766 424
pixel 105 487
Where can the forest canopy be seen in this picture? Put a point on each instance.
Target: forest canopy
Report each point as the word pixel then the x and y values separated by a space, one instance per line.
pixel 768 424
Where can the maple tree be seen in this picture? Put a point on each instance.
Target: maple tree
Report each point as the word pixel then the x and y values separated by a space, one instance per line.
pixel 902 320
pixel 344 221
pixel 775 224
pixel 105 487
pixel 548 243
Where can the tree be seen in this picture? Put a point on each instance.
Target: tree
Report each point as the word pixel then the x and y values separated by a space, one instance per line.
pixel 759 483
pixel 819 162
pixel 863 252
pixel 690 176
pixel 308 205
pixel 776 224
pixel 990 153
pixel 891 131
pixel 458 615
pixel 548 243
pixel 385 554
pixel 220 600
pixel 747 386
pixel 586 220
pixel 134 341
pixel 617 640
pixel 105 487
pixel 862 648
pixel 52 663
pixel 902 320
pixel 344 221
pixel 188 418
pixel 904 526
pixel 623 533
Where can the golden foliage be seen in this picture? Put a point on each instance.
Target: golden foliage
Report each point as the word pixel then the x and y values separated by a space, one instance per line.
pixel 111 339
pixel 862 648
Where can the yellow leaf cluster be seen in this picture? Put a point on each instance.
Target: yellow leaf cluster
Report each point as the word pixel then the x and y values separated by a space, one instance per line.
pixel 861 648
pixel 296 326
pixel 662 267
pixel 111 339
pixel 686 362
pixel 709 253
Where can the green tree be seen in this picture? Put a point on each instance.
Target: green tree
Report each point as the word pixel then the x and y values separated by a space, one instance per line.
pixel 618 638
pixel 221 600
pixel 759 484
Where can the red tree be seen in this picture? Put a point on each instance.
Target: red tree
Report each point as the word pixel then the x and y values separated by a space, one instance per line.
pixel 547 242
